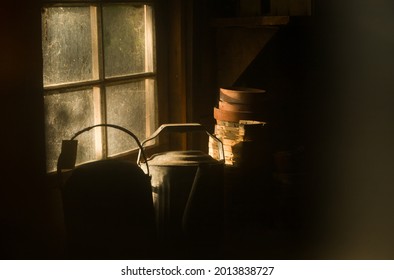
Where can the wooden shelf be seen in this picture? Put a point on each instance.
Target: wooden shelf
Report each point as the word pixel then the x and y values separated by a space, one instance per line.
pixel 251 21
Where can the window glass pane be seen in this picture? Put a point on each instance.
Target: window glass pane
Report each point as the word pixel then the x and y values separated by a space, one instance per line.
pixel 124 39
pixel 67 45
pixel 128 106
pixel 66 114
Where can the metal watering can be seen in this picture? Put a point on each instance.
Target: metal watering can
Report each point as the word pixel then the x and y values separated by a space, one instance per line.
pixel 187 189
pixel 108 207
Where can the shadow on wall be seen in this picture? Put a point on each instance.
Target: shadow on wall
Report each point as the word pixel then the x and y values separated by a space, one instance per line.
pixel 284 68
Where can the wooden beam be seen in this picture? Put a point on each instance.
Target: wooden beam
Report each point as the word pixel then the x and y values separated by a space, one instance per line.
pixel 177 70
pixel 251 21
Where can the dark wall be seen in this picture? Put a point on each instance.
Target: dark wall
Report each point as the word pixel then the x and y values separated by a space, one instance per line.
pixel 335 89
pixel 27 220
pixel 354 117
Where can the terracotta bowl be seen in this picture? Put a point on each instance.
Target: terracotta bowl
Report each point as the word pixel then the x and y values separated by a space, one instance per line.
pixel 223 115
pixel 238 107
pixel 241 95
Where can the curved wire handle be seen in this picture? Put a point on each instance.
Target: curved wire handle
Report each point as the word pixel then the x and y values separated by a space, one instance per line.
pixel 122 129
pixel 181 127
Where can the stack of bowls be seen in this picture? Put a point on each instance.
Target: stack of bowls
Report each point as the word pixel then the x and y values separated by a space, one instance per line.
pixel 237 104
pixel 240 123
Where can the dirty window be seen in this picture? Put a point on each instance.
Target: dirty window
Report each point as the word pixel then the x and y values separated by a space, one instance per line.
pixel 98 67
pixel 67 45
pixel 126 103
pixel 124 39
pixel 65 115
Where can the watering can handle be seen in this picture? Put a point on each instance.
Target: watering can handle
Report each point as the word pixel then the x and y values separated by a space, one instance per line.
pixel 181 127
pixel 116 127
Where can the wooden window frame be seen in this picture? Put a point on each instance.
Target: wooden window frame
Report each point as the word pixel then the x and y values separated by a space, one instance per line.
pixel 99 81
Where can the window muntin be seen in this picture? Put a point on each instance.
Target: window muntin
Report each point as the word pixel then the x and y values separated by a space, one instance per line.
pixel 99 67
